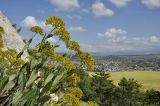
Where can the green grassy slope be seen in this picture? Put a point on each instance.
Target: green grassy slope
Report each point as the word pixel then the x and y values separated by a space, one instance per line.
pixel 148 79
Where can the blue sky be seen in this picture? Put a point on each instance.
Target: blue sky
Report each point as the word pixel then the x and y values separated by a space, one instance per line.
pixel 100 26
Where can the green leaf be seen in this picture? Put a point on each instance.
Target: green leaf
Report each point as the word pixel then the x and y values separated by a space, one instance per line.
pixel 22 80
pixel 12 77
pixel 49 36
pixel 23 66
pixel 38 66
pixel 46 88
pixel 30 40
pixel 30 95
pixel 16 98
pixel 3 82
pixel 20 54
pixel 44 99
pixel 32 78
pixel 49 78
pixel 9 86
pixel 57 79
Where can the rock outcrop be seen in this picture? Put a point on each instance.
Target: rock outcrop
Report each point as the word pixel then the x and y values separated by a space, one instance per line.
pixel 11 38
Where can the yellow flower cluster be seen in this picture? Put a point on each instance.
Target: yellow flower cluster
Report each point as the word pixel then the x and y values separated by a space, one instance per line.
pixel 63 34
pixel 75 91
pixel 87 59
pixel 1 40
pixel 10 55
pixel 9 59
pixel 67 63
pixel 74 46
pixel 59 29
pixel 70 100
pixel 47 49
pixel 92 103
pixel 55 21
pixel 73 79
pixel 37 29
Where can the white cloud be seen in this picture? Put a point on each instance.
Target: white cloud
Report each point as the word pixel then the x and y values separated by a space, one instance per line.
pixel 120 3
pixel 151 3
pixel 74 17
pixel 154 39
pixel 119 40
pixel 30 21
pixel 114 35
pixel 99 9
pixel 129 44
pixel 65 5
pixel 77 29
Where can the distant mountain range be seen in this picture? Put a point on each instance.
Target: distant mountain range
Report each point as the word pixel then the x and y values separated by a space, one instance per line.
pixel 127 53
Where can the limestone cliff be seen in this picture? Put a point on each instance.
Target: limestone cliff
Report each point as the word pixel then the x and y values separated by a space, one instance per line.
pixel 11 38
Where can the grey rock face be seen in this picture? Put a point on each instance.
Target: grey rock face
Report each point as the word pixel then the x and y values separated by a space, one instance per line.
pixel 11 38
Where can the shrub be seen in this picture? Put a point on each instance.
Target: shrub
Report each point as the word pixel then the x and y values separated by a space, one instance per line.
pixel 44 73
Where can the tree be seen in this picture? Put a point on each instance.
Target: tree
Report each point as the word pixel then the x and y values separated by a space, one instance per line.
pixel 152 97
pixel 103 87
pixel 128 92
pixel 85 85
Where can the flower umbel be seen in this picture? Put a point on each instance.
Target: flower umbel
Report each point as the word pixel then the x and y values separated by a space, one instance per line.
pixel 74 45
pixel 55 22
pixel 87 59
pixel 63 34
pixel 37 29
pixel 67 63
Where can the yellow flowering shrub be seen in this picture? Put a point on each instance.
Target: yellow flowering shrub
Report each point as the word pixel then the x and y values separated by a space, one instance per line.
pixel 45 72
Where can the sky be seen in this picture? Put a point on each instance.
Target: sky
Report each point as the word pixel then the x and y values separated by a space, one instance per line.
pixel 100 26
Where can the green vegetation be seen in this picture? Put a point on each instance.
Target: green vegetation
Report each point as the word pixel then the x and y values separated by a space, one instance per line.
pixel 149 79
pixel 44 74
pixel 128 92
